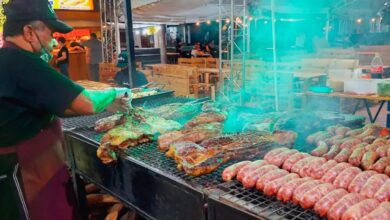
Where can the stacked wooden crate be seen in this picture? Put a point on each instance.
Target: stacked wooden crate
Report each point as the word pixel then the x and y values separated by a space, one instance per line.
pixel 175 77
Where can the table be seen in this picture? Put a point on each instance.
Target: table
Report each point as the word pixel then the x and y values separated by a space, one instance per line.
pixel 308 78
pixel 364 98
pixel 172 57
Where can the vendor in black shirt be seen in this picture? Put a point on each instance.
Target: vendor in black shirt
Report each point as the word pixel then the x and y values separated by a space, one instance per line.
pixel 34 178
pixel 122 76
pixel 63 57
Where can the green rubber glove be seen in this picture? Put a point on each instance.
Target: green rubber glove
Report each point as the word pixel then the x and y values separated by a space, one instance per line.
pixel 100 99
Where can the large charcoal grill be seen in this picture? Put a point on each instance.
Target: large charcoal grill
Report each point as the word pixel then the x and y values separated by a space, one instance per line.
pixel 147 180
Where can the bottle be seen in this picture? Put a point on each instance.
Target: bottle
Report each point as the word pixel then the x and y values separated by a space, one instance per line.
pixel 376 67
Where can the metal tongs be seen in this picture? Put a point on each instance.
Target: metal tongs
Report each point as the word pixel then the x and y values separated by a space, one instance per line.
pixel 138 89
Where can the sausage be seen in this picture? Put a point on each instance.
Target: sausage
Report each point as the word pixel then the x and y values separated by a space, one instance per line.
pixel 300 191
pixel 273 153
pixel 334 150
pixel 356 156
pixel 345 177
pixel 350 143
pixel 325 203
pixel 381 164
pixel 369 139
pixel 285 192
pixel 320 150
pixel 359 181
pixel 334 140
pixel 369 159
pixel 338 209
pixel 342 131
pixel 300 164
pixel 309 168
pixel 374 147
pixel 380 213
pixel 251 178
pixel 318 173
pixel 231 171
pixel 273 187
pixel 360 209
pixel 380 140
pixel 293 159
pixel 281 157
pixel 387 171
pixel 311 138
pixel 383 194
pixel 322 137
pixel 269 177
pixel 331 175
pixel 343 156
pixel 367 132
pixel 313 195
pixel 332 129
pixel 250 167
pixel 354 132
pixel 373 184
pixel 382 151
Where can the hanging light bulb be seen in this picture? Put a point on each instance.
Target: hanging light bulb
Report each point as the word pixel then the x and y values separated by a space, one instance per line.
pixel 217 21
pixel 359 21
pixel 208 22
pixel 250 18
pixel 373 20
pixel 227 20
pixel 197 23
pixel 238 20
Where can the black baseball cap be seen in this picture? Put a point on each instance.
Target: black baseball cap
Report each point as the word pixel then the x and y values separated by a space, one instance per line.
pixel 35 10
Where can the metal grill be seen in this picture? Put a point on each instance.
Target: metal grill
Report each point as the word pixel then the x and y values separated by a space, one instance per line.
pixel 263 206
pixel 89 121
pixel 149 154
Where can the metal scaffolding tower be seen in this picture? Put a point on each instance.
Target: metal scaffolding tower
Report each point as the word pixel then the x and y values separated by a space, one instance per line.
pixel 110 11
pixel 233 43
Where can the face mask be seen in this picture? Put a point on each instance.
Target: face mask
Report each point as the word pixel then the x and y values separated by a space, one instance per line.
pixel 45 51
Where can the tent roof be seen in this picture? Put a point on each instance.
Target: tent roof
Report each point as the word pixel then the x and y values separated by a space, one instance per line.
pixel 186 11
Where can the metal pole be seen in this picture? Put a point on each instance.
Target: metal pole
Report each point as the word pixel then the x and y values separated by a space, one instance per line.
pixel 117 31
pixel 244 47
pixel 274 55
pixel 231 85
pixel 221 80
pixel 102 23
pixel 130 41
pixel 327 28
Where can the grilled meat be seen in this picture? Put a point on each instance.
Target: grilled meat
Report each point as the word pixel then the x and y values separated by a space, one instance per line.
pixel 195 134
pixel 205 118
pixel 138 127
pixel 108 123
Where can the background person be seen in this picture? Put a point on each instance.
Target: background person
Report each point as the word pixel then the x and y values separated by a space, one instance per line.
pixel 62 60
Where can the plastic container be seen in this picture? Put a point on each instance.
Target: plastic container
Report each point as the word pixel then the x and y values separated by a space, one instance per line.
pixel 362 86
pixel 376 69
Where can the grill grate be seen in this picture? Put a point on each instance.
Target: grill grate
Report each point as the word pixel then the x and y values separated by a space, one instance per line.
pixel 149 154
pixel 262 205
pixel 89 121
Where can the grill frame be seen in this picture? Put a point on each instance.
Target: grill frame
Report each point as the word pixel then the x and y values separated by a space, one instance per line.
pixel 208 195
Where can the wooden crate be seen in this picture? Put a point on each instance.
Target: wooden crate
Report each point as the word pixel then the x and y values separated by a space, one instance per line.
pixel 176 77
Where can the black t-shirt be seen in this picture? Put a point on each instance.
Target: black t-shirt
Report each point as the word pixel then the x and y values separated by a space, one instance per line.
pixel 66 61
pixel 31 95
